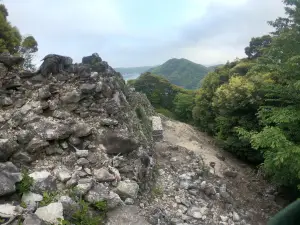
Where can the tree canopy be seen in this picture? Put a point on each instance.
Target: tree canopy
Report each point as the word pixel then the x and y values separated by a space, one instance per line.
pixel 12 41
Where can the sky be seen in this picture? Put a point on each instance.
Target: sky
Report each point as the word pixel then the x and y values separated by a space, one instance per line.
pixel 128 33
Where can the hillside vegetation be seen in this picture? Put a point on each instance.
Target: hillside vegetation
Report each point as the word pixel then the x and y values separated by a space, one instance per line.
pixel 181 72
pixel 168 99
pixel 251 105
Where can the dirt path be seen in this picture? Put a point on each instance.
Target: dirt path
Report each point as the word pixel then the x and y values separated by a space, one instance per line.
pixel 186 136
pixel 186 197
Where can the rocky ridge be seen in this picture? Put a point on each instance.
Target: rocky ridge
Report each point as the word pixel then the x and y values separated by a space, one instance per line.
pixel 82 133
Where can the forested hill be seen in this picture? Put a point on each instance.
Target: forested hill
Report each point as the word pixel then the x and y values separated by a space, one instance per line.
pixel 181 72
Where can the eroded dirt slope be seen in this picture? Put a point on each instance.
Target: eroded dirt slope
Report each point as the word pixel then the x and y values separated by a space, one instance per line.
pixel 189 191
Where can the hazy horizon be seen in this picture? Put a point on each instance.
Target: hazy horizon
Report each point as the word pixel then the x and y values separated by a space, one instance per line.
pixel 134 33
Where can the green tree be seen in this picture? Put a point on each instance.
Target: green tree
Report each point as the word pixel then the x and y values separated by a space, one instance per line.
pixel 257 45
pixel 28 48
pixel 10 37
pixel 184 104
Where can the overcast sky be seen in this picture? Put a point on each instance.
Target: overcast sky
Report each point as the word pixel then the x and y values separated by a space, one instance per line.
pixel 144 32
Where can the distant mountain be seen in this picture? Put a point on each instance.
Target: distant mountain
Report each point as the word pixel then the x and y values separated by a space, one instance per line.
pixel 182 72
pixel 132 72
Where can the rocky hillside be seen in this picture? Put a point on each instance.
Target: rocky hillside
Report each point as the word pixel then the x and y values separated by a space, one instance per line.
pixel 70 141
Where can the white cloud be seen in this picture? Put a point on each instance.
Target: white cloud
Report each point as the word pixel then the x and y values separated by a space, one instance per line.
pixel 206 32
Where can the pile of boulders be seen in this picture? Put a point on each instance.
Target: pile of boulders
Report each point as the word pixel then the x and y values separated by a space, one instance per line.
pixel 75 131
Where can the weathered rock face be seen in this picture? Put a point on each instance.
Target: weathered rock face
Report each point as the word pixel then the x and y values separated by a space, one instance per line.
pixel 9 175
pixel 77 129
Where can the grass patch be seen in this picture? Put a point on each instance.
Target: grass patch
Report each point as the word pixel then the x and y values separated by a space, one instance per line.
pixel 25 184
pixel 83 215
pixel 48 197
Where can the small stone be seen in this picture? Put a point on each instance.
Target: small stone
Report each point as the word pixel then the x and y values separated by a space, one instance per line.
pixel 221 157
pixel 129 201
pixel 31 197
pixel 229 173
pixel 102 175
pixel 63 175
pixel 6 101
pixel 51 212
pixel 36 144
pixel 74 140
pixel 24 136
pixel 100 193
pixel 127 189
pixel 71 183
pixel 87 88
pixel 44 92
pixel 203 185
pixel 83 186
pixel 236 217
pixel 210 190
pixel 195 212
pixel 71 97
pixel 109 122
pixel 82 162
pixel 61 114
pixel 161 172
pixel 81 130
pixel 224 218
pixel 78 168
pixel 82 153
pixel 64 145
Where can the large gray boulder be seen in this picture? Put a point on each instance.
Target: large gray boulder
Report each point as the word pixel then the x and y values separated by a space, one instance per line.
pixel 7 148
pixel 49 129
pixel 43 181
pixel 51 212
pixel 127 189
pixel 116 143
pixel 9 176
pixel 101 193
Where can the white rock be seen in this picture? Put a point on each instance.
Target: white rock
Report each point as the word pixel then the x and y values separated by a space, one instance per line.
pixel 195 212
pixel 203 185
pixel 51 212
pixel 102 175
pixel 236 217
pixel 88 171
pixel 8 209
pixel 63 175
pixel 128 189
pixel 224 218
pixel 40 176
pixel 30 197
pixel 82 153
